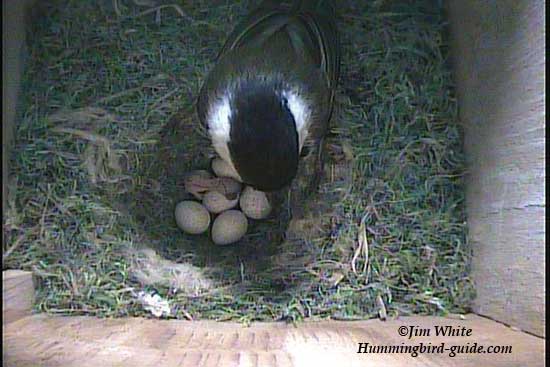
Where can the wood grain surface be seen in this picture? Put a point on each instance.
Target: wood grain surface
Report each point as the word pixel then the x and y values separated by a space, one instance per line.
pixel 499 63
pixel 43 340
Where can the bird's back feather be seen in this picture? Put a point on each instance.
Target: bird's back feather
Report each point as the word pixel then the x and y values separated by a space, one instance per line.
pixel 297 39
pixel 309 24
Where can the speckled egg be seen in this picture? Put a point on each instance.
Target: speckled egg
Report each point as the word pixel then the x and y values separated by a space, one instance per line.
pixel 192 217
pixel 254 203
pixel 223 169
pixel 227 186
pixel 198 182
pixel 229 227
pixel 216 202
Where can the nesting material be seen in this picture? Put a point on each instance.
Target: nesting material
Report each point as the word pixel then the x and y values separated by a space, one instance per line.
pixel 155 304
pixel 254 203
pixel 229 227
pixel 216 202
pixel 150 268
pixel 192 217
pixel 223 169
pixel 413 148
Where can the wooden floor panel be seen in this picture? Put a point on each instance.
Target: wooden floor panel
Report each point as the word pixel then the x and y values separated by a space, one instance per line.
pixel 42 340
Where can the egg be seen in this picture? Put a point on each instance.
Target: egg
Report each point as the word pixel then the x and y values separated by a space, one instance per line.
pixel 223 169
pixel 227 186
pixel 229 227
pixel 197 183
pixel 192 217
pixel 254 203
pixel 216 202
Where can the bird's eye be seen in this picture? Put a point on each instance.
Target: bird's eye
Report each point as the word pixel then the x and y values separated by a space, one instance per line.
pixel 285 102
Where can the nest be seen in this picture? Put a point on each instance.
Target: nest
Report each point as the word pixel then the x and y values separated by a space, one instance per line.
pixel 107 132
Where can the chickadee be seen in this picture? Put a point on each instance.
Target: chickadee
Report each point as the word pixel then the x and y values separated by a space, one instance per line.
pixel 272 89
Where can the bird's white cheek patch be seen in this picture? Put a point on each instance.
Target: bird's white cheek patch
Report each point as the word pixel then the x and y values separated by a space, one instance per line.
pixel 301 113
pixel 219 129
pixel 219 114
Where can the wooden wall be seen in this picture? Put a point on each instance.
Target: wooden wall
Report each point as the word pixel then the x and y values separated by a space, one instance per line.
pixel 499 59
pixel 499 63
pixel 14 16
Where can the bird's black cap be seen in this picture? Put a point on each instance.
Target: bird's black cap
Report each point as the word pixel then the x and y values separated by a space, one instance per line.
pixel 263 138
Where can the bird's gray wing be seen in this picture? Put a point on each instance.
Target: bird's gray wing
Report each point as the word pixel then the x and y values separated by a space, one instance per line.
pixel 307 25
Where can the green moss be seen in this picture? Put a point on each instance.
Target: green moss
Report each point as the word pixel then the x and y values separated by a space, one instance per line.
pixel 131 77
